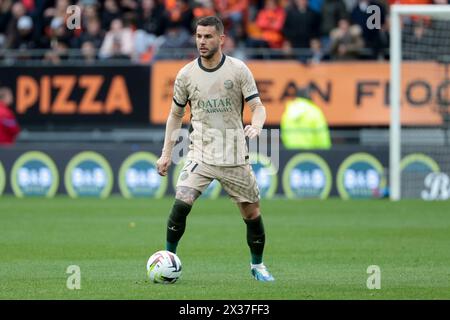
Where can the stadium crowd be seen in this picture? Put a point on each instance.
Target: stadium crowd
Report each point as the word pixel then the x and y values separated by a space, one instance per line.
pixel 145 30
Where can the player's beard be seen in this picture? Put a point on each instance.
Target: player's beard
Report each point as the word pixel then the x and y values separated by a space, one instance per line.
pixel 211 52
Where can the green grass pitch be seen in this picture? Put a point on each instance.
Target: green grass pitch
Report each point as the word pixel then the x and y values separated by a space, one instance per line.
pixel 315 249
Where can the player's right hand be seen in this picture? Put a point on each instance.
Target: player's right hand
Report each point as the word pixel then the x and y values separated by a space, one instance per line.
pixel 251 131
pixel 163 165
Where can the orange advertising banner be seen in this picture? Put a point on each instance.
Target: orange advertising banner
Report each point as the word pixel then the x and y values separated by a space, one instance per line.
pixel 79 95
pixel 350 94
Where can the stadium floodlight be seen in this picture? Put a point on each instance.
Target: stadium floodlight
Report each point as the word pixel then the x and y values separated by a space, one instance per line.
pixel 419 49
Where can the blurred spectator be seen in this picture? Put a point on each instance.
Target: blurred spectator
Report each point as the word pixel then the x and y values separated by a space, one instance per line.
pixel 283 25
pixel 29 5
pixel 89 9
pixel 267 31
pixel 317 54
pixel 129 5
pixel 111 11
pixel 203 8
pixel 233 14
pixel 145 46
pixel 230 48
pixel 416 34
pixel 116 50
pixel 5 16
pixel 332 11
pixel 151 17
pixel 168 4
pixel 55 29
pixel 24 38
pixel 181 15
pixel 12 32
pixel 270 21
pixel 441 29
pixel 303 124
pixel 58 53
pixel 346 41
pixel 176 37
pixel 9 127
pixel 89 52
pixel 58 11
pixel 93 34
pixel 58 32
pixel 350 4
pixel 252 32
pixel 301 26
pixel 372 37
pixel 316 5
pixel 118 41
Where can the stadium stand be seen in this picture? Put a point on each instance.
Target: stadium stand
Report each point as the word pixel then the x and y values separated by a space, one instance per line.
pixel 144 30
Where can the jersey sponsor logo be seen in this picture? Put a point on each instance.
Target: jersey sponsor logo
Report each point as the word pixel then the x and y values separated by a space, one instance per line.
pixel 215 105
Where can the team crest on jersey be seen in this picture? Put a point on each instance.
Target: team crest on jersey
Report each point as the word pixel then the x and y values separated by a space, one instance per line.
pixel 228 84
pixel 184 176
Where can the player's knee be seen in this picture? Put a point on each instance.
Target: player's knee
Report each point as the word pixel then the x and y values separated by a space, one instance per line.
pixel 188 201
pixel 252 215
pixel 187 195
pixel 250 211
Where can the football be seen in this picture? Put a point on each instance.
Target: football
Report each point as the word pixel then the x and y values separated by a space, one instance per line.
pixel 164 267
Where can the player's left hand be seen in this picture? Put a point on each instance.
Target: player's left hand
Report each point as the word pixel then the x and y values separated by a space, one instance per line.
pixel 251 131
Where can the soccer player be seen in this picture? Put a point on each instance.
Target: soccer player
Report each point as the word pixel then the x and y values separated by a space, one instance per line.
pixel 216 86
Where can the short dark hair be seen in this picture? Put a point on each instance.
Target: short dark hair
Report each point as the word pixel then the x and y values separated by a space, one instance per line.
pixel 211 21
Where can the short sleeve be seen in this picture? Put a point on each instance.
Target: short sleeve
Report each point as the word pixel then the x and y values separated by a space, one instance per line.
pixel 248 84
pixel 180 95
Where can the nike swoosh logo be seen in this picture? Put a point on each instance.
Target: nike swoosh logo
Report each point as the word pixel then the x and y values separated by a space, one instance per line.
pixel 257 241
pixel 172 228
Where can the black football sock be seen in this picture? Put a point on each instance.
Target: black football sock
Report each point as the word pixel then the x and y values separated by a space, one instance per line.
pixel 176 224
pixel 256 238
